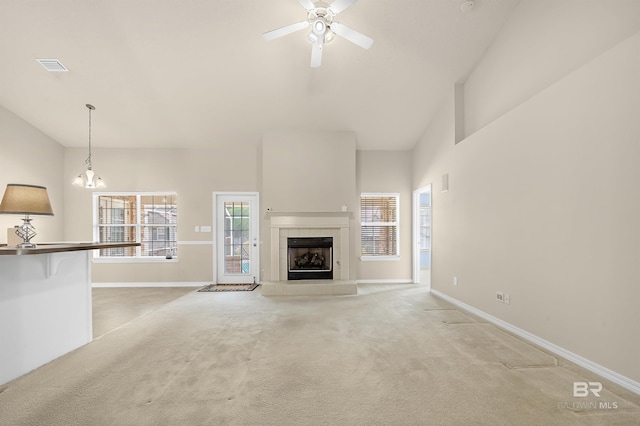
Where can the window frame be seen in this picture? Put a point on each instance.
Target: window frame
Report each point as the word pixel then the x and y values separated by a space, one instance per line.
pixel 381 257
pixel 138 225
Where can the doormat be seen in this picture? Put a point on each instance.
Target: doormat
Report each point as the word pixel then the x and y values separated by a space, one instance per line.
pixel 229 287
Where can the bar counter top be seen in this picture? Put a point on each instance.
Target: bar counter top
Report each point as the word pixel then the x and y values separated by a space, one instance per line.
pixel 43 248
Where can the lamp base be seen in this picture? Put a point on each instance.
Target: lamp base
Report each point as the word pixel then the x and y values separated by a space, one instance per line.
pixel 26 232
pixel 26 245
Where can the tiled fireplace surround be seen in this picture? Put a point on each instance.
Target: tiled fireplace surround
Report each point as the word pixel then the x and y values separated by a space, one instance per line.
pixel 324 224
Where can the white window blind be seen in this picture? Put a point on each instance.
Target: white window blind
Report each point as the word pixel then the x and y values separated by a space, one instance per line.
pixel 379 225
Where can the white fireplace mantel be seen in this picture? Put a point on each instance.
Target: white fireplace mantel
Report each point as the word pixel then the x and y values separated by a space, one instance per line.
pixel 310 224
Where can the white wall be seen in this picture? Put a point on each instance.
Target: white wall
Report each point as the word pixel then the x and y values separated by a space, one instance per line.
pixel 308 171
pixel 387 171
pixel 193 173
pixel 30 157
pixel 543 200
pixel 543 41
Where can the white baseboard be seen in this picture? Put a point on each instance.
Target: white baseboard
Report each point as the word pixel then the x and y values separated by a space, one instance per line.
pixel 152 284
pixel 403 281
pixel 598 369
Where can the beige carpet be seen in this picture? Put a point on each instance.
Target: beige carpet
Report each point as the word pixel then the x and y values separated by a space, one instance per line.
pixel 391 355
pixel 114 307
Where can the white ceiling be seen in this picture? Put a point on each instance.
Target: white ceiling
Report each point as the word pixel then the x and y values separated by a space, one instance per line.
pixel 197 73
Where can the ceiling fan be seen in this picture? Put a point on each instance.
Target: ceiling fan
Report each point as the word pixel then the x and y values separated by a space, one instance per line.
pixel 323 28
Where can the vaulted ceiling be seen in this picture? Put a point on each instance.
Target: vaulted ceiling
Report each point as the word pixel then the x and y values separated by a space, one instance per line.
pixel 197 73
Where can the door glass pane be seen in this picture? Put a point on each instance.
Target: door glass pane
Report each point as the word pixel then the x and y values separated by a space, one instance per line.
pixel 237 250
pixel 425 230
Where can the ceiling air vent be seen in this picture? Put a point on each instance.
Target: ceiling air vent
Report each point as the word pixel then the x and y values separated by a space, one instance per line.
pixel 52 65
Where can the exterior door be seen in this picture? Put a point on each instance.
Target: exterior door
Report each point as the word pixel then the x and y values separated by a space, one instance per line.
pixel 237 252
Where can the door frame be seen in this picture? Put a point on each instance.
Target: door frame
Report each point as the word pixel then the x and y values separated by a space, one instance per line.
pixel 214 209
pixel 416 234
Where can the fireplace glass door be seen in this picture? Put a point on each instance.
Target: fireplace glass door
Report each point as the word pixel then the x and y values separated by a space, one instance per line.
pixel 310 258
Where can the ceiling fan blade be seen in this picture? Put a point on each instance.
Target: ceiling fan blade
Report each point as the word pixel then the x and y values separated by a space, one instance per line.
pixel 307 4
pixel 339 5
pixel 352 35
pixel 273 34
pixel 316 55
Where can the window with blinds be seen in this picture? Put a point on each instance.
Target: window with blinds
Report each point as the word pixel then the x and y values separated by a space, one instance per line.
pixel 379 225
pixel 150 219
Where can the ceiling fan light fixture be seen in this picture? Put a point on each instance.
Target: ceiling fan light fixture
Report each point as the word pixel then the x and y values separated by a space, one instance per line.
pixel 319 26
pixel 318 30
pixel 316 35
pixel 320 17
pixel 329 35
pixel 313 38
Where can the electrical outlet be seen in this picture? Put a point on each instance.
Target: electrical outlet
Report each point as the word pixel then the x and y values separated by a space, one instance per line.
pixel 500 296
pixel 455 280
pixel 507 298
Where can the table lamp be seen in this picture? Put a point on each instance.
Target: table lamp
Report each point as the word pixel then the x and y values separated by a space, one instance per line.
pixel 27 200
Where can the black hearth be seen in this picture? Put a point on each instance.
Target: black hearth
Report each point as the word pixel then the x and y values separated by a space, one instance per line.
pixel 310 258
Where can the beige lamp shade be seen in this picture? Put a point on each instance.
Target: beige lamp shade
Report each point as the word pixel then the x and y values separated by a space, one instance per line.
pixel 25 199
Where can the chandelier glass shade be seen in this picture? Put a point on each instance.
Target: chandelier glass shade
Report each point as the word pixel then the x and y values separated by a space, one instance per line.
pixel 88 179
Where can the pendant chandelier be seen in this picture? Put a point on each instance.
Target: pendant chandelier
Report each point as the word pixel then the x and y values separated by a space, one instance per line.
pixel 88 178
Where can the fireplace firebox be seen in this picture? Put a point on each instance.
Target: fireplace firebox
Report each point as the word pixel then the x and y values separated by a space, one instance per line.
pixel 310 258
